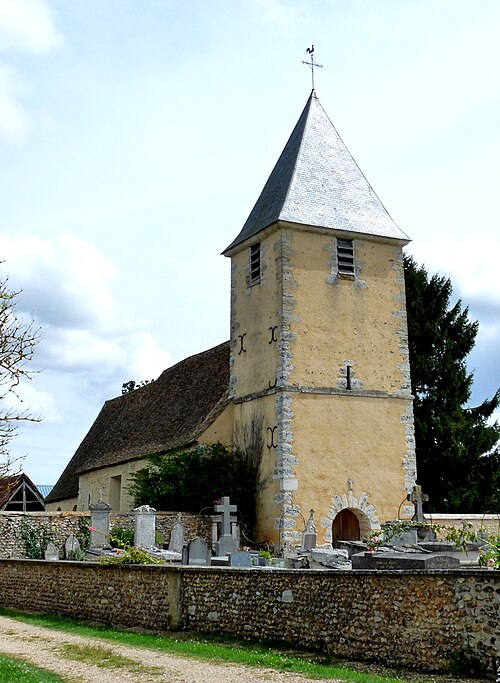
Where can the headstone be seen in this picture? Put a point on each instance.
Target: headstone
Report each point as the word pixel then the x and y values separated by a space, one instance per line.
pixel 240 559
pixel 418 498
pixel 309 535
pixel 176 542
pixel 226 543
pixel 52 553
pixel 404 561
pixel 145 523
pixel 99 524
pixel 199 553
pixel 71 547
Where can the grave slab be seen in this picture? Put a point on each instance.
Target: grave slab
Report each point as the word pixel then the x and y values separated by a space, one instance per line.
pixel 404 561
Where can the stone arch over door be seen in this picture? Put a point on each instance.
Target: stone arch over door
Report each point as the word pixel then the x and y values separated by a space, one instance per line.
pixel 364 511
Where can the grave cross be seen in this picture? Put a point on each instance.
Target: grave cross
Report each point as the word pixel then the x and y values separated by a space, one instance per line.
pixel 417 498
pixel 226 508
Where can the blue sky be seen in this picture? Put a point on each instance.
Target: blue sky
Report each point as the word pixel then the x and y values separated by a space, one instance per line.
pixel 136 136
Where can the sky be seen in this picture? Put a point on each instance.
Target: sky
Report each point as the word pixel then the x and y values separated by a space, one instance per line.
pixel 135 138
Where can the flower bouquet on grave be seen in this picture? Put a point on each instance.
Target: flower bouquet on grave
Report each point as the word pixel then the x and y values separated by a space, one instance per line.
pixel 373 543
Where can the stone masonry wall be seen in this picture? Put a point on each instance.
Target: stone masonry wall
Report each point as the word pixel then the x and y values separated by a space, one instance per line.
pixel 62 524
pixel 416 619
pixel 413 619
pixel 132 596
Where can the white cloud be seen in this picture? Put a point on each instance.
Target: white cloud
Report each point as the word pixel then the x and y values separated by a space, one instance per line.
pixel 67 288
pixel 471 263
pixel 13 120
pixel 28 25
pixel 34 402
pixel 283 15
pixel 25 26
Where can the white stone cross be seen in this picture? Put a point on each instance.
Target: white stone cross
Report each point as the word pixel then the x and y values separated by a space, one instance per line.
pixel 226 508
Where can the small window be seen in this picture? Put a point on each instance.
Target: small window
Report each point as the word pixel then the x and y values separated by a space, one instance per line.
pixel 345 257
pixel 255 264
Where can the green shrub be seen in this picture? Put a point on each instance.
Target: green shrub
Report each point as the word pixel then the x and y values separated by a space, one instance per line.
pixel 83 532
pixel 121 538
pixel 466 663
pixel 35 539
pixel 191 480
pixel 131 556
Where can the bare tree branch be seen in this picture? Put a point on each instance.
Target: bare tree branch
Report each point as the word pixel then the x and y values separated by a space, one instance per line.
pixel 18 340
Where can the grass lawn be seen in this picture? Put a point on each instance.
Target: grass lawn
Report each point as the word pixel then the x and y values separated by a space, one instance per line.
pixel 14 670
pixel 217 649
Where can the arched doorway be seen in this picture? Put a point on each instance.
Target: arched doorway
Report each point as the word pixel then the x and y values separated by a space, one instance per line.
pixel 345 527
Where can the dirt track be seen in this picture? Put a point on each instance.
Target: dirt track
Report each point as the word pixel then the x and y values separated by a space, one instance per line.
pixel 42 647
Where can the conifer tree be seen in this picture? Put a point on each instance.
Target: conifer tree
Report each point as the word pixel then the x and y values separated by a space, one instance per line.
pixel 457 465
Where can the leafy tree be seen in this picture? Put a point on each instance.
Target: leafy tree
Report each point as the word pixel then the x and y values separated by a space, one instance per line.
pixel 191 480
pixel 18 340
pixel 132 385
pixel 456 463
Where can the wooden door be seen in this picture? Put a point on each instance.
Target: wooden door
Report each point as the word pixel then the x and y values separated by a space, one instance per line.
pixel 345 527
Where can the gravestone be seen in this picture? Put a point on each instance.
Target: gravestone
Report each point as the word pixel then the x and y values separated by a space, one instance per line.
pixel 198 553
pixel 52 553
pixel 226 543
pixel 72 547
pixel 404 561
pixel 309 535
pixel 418 498
pixel 99 524
pixel 176 542
pixel 145 524
pixel 240 559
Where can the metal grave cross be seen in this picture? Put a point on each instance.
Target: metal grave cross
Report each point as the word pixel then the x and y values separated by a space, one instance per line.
pixel 226 508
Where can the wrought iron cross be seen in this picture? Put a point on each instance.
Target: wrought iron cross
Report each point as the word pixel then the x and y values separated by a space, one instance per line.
pixel 312 64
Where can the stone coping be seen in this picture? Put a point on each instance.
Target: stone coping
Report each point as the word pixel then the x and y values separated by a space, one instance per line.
pixel 273 570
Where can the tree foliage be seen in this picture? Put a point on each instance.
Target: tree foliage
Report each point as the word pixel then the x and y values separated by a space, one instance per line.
pixel 132 385
pixel 193 479
pixel 456 463
pixel 18 340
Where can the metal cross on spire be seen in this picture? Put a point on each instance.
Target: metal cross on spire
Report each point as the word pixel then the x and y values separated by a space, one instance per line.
pixel 312 63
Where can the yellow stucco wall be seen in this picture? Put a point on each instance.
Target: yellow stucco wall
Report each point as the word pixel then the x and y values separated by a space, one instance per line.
pixel 254 309
pixel 336 447
pixel 349 444
pixel 106 480
pixel 66 505
pixel 264 412
pixel 355 320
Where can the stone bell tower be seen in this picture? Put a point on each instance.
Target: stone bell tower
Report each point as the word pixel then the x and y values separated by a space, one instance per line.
pixel 319 354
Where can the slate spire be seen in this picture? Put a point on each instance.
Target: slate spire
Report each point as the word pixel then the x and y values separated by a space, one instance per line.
pixel 316 182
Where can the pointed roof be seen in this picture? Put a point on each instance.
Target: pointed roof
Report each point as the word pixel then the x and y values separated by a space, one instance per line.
pixel 317 182
pixel 19 493
pixel 172 411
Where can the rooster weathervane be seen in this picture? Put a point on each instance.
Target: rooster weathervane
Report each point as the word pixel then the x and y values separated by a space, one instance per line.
pixel 313 64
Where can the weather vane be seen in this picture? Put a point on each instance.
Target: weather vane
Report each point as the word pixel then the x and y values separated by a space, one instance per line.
pixel 312 63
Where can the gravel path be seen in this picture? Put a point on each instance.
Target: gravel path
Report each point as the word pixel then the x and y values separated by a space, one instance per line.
pixel 44 648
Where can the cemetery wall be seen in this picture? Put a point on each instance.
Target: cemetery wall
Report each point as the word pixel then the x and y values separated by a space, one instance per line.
pixel 413 619
pixel 62 524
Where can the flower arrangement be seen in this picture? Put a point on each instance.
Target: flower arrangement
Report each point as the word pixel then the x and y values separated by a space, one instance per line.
pixel 373 542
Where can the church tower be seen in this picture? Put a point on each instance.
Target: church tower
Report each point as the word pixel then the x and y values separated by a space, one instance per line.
pixel 319 352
